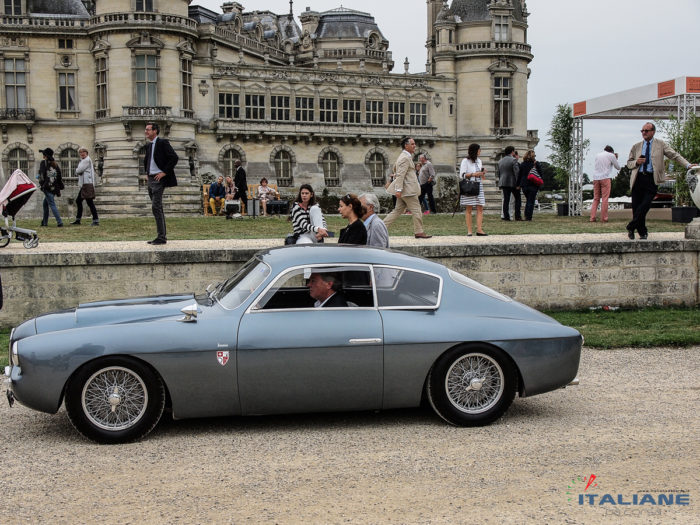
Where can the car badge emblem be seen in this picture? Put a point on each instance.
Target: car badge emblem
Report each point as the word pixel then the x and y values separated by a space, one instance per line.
pixel 222 357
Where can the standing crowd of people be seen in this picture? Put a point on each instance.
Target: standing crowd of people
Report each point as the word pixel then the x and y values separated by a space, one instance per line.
pixel 411 186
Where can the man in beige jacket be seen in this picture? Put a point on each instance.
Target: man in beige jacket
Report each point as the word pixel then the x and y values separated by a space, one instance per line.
pixel 646 161
pixel 407 189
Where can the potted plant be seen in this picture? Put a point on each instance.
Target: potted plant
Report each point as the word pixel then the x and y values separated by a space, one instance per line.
pixel 684 209
pixel 684 137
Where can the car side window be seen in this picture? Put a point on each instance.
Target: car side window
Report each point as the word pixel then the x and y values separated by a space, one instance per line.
pixel 303 287
pixel 402 288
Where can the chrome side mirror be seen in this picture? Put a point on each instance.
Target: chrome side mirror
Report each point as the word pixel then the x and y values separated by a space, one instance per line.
pixel 190 312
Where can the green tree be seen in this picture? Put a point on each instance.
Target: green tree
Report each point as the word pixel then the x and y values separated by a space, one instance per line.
pixel 561 143
pixel 621 184
pixel 548 174
pixel 684 137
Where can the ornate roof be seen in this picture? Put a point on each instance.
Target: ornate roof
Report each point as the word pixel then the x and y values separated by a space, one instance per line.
pixel 57 7
pixel 478 10
pixel 346 23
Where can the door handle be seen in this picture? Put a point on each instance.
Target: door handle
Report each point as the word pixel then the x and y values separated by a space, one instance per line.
pixel 365 341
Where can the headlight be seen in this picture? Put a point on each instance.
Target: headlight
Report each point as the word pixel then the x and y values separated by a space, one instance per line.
pixel 14 355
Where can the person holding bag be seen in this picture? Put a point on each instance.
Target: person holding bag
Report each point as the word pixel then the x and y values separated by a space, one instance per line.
pixel 472 169
pixel 528 183
pixel 86 187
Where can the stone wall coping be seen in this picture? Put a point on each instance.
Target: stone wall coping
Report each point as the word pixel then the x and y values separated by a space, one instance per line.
pixel 237 250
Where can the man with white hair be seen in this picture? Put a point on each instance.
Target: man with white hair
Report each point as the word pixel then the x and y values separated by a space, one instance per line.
pixel 377 234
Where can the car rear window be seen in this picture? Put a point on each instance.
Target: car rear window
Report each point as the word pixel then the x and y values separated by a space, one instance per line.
pixel 403 288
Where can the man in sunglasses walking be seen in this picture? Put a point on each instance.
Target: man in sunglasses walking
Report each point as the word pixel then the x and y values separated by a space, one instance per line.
pixel 646 161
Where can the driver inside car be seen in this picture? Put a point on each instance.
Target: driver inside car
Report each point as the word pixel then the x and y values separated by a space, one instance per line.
pixel 325 289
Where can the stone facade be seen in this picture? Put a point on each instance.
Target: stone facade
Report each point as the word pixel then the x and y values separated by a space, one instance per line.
pixel 558 274
pixel 315 102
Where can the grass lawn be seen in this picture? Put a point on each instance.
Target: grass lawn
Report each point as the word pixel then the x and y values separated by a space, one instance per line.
pixel 603 330
pixel 143 228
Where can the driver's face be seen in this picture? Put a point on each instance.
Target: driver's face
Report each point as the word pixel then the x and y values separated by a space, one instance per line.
pixel 318 288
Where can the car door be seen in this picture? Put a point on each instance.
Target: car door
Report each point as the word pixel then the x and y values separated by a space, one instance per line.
pixel 293 357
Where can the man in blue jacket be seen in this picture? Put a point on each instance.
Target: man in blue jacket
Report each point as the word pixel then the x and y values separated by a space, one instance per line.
pixel 217 195
pixel 159 164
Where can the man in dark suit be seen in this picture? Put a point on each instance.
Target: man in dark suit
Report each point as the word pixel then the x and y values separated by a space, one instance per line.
pixel 241 184
pixel 159 164
pixel 324 287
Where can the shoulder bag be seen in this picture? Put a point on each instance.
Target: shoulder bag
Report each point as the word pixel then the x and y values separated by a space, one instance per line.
pixel 534 177
pixel 469 187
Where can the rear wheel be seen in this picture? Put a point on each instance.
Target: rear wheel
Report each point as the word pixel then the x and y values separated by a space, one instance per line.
pixel 472 385
pixel 115 400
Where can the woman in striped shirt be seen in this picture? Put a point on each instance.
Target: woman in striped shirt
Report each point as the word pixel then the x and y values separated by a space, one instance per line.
pixel 307 217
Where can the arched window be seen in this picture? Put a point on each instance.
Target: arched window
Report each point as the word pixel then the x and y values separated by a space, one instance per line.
pixel 377 169
pixel 331 169
pixel 229 161
pixel 283 168
pixel 17 159
pixel 68 161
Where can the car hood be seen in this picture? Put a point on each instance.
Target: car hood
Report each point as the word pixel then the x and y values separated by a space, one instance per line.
pixel 114 312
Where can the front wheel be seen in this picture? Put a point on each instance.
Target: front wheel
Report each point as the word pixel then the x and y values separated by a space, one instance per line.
pixel 115 400
pixel 472 385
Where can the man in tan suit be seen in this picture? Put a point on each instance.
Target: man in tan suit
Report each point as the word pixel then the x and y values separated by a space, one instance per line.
pixel 407 189
pixel 646 161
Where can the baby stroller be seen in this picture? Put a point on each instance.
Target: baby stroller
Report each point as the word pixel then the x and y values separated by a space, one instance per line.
pixel 13 196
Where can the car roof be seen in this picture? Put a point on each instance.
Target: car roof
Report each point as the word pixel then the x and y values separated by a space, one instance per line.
pixel 334 254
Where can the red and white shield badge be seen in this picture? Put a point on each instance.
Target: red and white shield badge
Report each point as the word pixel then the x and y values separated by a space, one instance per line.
pixel 222 357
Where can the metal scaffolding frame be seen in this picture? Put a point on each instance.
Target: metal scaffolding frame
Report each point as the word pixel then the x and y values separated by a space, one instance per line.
pixel 659 101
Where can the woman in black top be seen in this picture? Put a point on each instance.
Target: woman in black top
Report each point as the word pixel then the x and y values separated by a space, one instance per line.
pixel 350 208
pixel 529 189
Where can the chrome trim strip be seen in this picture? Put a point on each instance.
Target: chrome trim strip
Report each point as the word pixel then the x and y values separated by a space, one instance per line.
pixel 365 341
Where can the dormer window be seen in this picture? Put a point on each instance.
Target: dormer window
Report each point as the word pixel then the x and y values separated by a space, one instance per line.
pixel 500 28
pixel 13 7
pixel 144 5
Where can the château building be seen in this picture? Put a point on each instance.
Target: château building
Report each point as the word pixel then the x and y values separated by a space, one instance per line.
pixel 318 99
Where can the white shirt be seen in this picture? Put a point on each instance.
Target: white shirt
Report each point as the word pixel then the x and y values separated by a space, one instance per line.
pixel 604 162
pixel 153 168
pixel 468 166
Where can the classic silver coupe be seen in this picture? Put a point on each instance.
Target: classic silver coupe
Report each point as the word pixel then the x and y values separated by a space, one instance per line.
pixel 296 329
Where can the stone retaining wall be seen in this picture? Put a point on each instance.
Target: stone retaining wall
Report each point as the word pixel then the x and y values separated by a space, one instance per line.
pixel 544 275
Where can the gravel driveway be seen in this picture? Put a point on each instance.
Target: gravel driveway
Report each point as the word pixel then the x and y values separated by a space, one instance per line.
pixel 633 423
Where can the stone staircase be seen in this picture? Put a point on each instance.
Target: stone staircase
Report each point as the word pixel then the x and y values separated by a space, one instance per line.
pixel 119 200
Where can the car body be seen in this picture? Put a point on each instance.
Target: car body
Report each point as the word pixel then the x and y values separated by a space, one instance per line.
pixel 255 344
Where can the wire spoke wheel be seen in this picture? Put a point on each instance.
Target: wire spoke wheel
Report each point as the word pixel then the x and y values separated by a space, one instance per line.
pixel 474 383
pixel 114 398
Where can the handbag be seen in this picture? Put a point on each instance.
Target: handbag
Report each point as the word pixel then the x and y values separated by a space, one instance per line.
pixel 391 187
pixel 534 177
pixel 291 238
pixel 87 191
pixel 469 187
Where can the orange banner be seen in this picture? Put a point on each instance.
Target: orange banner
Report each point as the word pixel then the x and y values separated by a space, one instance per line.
pixel 579 108
pixel 666 89
pixel 692 84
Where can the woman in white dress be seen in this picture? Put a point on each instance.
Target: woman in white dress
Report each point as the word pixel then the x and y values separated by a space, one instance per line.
pixel 471 167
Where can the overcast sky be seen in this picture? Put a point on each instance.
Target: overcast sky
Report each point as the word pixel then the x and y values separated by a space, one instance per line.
pixel 583 49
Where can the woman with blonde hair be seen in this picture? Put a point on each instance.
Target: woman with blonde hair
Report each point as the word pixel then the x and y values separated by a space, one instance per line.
pixel 472 167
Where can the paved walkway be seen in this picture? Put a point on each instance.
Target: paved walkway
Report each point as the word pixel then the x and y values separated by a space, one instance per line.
pixel 396 242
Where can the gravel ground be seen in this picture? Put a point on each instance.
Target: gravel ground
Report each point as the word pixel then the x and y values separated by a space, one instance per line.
pixel 633 422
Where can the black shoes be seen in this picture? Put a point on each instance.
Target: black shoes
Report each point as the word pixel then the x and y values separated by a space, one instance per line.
pixel 76 221
pixel 630 234
pixel 481 234
pixel 644 237
pixel 157 241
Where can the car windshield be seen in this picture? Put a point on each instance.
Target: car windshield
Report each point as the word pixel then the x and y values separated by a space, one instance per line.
pixel 233 292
